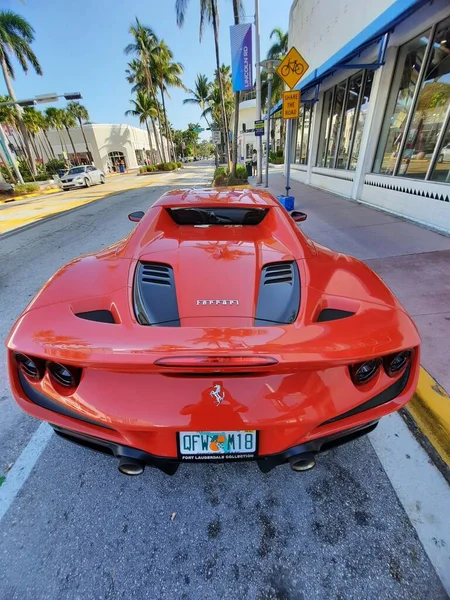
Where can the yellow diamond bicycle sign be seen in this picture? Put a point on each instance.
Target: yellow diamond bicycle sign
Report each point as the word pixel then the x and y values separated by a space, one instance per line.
pixel 292 68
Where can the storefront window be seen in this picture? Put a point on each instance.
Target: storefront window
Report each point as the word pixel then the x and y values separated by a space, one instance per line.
pixel 342 127
pixel 336 117
pixel 354 88
pixel 303 129
pixel 362 114
pixel 441 171
pixel 430 110
pixel 404 83
pixel 305 140
pixel 419 131
pixel 324 128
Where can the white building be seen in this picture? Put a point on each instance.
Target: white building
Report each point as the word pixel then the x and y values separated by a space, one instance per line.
pixel 106 143
pixel 247 140
pixel 375 118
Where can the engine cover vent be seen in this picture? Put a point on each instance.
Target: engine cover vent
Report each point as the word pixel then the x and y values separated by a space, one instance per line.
pixel 279 294
pixel 155 298
pixel 333 314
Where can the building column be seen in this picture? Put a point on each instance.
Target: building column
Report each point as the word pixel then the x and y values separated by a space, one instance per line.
pixel 379 95
pixel 314 138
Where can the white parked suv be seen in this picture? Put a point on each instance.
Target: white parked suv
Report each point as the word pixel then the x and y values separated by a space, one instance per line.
pixel 82 176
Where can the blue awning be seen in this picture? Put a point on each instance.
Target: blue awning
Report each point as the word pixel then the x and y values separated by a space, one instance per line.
pixel 392 16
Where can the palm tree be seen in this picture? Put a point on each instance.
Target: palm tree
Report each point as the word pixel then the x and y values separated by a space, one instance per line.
pixel 237 11
pixel 280 47
pixel 200 95
pixel 144 109
pixel 16 35
pixel 166 73
pixel 209 11
pixel 278 50
pixel 136 74
pixel 144 44
pixel 68 120
pixel 53 118
pixel 34 121
pixel 80 113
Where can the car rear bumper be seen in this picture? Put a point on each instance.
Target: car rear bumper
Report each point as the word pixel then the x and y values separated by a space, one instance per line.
pixel 169 466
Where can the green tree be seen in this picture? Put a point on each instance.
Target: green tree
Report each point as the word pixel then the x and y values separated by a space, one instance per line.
pixel 237 11
pixel 34 122
pixel 280 46
pixel 135 74
pixel 200 95
pixel 144 109
pixel 80 113
pixel 209 12
pixel 68 121
pixel 53 117
pixel 167 74
pixel 278 50
pixel 16 37
pixel 143 45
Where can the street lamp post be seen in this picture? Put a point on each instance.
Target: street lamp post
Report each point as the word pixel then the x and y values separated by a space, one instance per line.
pixel 42 99
pixel 269 65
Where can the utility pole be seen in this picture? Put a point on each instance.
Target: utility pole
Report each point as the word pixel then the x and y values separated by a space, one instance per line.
pixel 258 90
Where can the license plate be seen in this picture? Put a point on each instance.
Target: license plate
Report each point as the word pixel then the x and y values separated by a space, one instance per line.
pixel 219 445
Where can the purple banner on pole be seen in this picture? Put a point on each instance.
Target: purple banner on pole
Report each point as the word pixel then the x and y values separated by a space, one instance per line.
pixel 241 57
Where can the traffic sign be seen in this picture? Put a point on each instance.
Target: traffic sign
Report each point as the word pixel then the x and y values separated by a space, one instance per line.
pixel 291 104
pixel 215 137
pixel 198 129
pixel 292 68
pixel 259 127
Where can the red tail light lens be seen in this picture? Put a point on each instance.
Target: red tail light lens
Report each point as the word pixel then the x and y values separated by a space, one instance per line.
pixel 396 363
pixel 362 373
pixel 68 377
pixel 212 362
pixel 32 368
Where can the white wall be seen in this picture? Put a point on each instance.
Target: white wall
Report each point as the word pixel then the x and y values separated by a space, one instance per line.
pixel 319 28
pixel 247 116
pixel 105 138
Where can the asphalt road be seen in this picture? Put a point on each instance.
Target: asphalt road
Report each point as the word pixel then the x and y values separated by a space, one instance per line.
pixel 79 530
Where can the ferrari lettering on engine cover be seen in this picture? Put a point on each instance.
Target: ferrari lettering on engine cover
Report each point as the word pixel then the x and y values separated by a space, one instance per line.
pixel 217 302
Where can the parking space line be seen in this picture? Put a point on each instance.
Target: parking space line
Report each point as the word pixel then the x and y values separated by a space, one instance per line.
pixel 23 466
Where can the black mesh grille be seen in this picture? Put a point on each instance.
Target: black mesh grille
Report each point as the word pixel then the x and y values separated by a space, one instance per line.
pixel 155 298
pixel 278 273
pixel 154 273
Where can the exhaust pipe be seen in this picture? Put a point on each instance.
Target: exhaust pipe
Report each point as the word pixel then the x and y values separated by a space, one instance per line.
pixel 131 466
pixel 302 462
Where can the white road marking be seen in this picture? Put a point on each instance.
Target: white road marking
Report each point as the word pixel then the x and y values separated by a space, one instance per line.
pixel 16 477
pixel 420 487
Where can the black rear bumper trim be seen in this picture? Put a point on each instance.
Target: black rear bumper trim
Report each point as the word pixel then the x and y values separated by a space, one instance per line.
pixel 169 466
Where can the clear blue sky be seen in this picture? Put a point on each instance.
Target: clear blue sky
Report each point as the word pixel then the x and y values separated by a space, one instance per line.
pixel 80 48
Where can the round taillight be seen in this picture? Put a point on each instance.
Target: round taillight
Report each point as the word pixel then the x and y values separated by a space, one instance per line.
pixel 364 372
pixel 397 362
pixel 32 368
pixel 68 377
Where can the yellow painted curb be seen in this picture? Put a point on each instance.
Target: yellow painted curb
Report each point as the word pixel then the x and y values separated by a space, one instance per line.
pixel 430 409
pixel 26 196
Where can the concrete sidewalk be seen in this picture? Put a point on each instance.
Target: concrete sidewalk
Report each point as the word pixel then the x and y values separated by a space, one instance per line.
pixel 413 261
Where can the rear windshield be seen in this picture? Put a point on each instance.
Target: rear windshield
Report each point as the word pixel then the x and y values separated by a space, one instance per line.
pixel 202 216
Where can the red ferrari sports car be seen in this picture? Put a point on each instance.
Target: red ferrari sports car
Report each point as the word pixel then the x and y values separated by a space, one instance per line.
pixel 215 331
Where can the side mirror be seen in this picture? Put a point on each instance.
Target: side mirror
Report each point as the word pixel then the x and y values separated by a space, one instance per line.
pixel 298 216
pixel 136 216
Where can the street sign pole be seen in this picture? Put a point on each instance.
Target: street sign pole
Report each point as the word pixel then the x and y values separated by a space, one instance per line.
pixel 269 98
pixel 258 90
pixel 288 157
